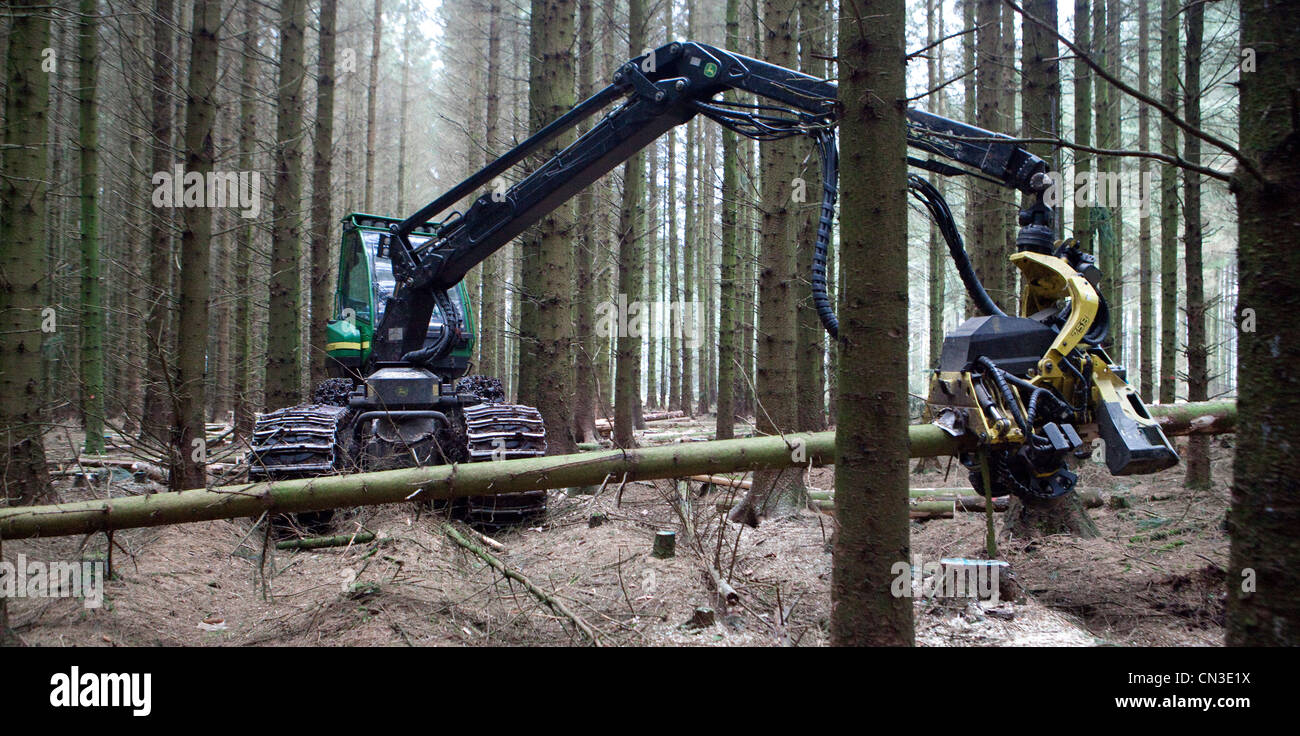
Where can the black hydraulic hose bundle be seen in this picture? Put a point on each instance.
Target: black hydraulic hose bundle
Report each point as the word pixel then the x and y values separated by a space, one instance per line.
pixel 830 190
pixel 934 202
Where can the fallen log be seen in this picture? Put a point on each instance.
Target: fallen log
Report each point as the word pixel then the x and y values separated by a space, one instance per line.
pixel 446 482
pixel 341 540
pixel 722 480
pixel 654 416
pixel 1201 417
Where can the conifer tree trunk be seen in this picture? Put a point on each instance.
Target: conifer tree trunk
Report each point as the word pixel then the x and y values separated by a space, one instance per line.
pixel 1081 219
pixel 727 289
pixel 1197 456
pixel 155 419
pixel 92 307
pixel 322 254
pixel 245 365
pixel 989 242
pixel 938 251
pixel 189 453
pixel 1146 280
pixel 546 370
pixel 1168 204
pixel 1263 579
pixel 372 91
pixel 626 385
pixel 23 255
pixel 284 338
pixel 811 355
pixel 584 398
pixel 492 306
pixel 871 456
pixel 776 493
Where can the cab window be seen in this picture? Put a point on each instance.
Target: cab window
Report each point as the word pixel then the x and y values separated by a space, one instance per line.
pixel 355 283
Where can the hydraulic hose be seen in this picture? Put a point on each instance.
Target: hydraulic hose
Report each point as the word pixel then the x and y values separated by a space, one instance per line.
pixel 928 195
pixel 830 173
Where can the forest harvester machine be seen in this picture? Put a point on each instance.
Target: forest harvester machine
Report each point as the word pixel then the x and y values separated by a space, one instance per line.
pixel 1025 393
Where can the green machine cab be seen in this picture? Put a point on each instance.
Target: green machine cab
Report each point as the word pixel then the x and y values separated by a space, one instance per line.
pixel 365 283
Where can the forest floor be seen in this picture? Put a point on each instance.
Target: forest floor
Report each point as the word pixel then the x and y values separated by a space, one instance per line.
pixel 1155 576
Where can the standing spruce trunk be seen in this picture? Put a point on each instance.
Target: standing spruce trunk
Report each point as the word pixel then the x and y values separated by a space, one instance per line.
pixel 1168 204
pixel 1108 215
pixel 626 388
pixel 810 336
pixel 284 338
pixel 492 305
pixel 704 270
pixel 584 343
pixel 1146 285
pixel 1265 508
pixel 372 91
pixel 321 215
pixel 937 252
pixel 688 262
pixel 92 306
pixel 1197 457
pixel 776 493
pixel 245 365
pixel 156 413
pixel 546 370
pixel 189 455
pixel 989 243
pixel 1081 219
pixel 726 418
pixel 646 371
pixel 23 255
pixel 871 449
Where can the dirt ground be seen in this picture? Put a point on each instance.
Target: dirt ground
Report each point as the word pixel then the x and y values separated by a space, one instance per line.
pixel 1154 577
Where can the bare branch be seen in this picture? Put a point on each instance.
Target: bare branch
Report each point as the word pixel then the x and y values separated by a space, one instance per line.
pixel 1169 113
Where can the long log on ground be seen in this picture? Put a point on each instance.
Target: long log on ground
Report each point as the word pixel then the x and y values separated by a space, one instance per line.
pixel 445 482
pixel 656 416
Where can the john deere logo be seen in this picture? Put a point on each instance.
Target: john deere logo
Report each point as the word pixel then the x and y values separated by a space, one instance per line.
pixel 710 70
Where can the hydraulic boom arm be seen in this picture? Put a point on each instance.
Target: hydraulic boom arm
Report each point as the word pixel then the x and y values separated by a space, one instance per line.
pixel 663 89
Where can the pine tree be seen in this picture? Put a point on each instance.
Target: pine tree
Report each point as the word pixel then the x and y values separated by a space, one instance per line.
pixel 189 453
pixel 546 370
pixel 776 493
pixel 23 307
pixel 1197 457
pixel 627 388
pixel 284 336
pixel 871 456
pixel 1263 576
pixel 322 216
pixel 92 307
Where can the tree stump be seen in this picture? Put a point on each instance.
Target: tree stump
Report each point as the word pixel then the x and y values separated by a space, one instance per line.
pixel 665 544
pixel 1028 518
